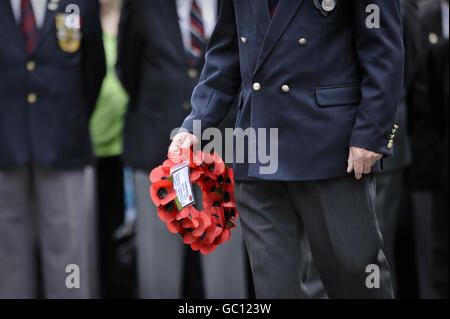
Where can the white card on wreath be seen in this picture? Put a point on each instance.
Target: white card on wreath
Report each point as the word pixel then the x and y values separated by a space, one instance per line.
pixel 182 185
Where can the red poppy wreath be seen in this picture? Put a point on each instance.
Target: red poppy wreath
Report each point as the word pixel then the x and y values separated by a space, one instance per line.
pixel 203 229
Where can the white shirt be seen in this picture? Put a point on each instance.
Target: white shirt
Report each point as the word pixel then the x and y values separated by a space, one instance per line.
pixel 444 6
pixel 209 14
pixel 39 8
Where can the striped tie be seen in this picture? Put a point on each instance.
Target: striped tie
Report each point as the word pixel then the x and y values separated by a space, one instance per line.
pixel 198 38
pixel 28 25
pixel 273 6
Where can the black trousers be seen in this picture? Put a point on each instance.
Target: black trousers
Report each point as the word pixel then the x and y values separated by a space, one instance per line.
pixel 111 209
pixel 338 216
pixel 440 244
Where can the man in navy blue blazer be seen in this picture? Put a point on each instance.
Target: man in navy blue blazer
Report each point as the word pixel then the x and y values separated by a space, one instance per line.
pixel 51 68
pixel 328 75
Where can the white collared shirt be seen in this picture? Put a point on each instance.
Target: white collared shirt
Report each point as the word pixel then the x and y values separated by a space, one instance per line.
pixel 444 10
pixel 39 8
pixel 209 12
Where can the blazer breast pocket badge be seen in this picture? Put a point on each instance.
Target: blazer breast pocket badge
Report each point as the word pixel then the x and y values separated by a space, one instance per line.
pixel 68 32
pixel 326 7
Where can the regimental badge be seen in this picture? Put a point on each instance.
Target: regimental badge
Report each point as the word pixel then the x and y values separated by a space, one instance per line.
pixel 68 32
pixel 325 6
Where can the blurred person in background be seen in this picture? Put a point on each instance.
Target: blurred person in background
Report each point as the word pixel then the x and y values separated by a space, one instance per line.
pixel 106 130
pixel 429 126
pixel 52 66
pixel 391 189
pixel 161 55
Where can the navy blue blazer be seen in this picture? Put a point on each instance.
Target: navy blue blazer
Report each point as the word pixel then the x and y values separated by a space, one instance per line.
pixel 46 98
pixel 325 81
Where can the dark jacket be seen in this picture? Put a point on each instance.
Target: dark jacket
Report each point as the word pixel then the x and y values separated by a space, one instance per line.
pixel 154 69
pixel 326 82
pixel 414 51
pixel 429 107
pixel 47 98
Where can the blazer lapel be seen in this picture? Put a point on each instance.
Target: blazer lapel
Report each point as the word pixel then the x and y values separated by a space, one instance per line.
pixel 285 13
pixel 260 10
pixel 11 27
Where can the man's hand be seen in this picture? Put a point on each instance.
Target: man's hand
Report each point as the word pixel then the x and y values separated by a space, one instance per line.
pixel 361 161
pixel 182 140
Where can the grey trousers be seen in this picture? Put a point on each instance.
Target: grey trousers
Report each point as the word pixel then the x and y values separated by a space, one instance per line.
pixel 50 210
pixel 161 256
pixel 338 215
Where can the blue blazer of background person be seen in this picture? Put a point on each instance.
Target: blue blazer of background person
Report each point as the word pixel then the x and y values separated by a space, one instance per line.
pixel 331 83
pixel 48 96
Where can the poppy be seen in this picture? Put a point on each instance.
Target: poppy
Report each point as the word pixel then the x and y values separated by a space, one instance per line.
pixel 217 216
pixel 211 233
pixel 186 213
pixel 162 192
pixel 224 237
pixel 211 200
pixel 188 238
pixel 158 174
pixel 231 215
pixel 204 249
pixel 228 196
pixel 219 165
pixel 175 227
pixel 214 166
pixel 208 166
pixel 229 179
pixel 187 223
pixel 203 223
pixel 168 212
pixel 207 184
pixel 196 174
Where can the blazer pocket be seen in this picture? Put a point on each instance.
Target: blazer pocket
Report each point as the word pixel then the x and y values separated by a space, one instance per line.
pixel 338 96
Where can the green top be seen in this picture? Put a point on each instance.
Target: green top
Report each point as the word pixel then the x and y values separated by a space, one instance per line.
pixel 108 119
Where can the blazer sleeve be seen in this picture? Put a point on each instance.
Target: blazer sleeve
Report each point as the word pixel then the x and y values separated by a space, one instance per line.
pixel 129 52
pixel 380 52
pixel 220 79
pixel 94 61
